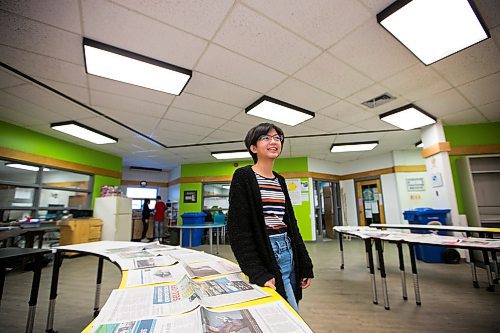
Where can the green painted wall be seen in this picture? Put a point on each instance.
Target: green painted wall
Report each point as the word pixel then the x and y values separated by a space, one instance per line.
pixel 28 141
pixel 302 212
pixel 22 139
pixel 469 135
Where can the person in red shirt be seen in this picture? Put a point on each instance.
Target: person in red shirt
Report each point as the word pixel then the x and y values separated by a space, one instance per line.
pixel 159 217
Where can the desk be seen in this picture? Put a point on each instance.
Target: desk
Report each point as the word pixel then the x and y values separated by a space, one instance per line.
pixel 481 231
pixel 12 253
pixel 29 235
pixel 209 226
pixel 369 234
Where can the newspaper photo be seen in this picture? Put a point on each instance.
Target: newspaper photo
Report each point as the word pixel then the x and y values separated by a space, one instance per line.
pixel 154 275
pixel 204 269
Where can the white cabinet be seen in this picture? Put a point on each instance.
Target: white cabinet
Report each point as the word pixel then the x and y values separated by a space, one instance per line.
pixel 116 215
pixel 480 180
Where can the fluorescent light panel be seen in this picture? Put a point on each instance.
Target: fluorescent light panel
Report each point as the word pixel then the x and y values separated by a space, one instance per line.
pixel 408 117
pixel 353 146
pixel 83 132
pixel 272 109
pixel 231 155
pixel 125 66
pixel 22 166
pixel 433 30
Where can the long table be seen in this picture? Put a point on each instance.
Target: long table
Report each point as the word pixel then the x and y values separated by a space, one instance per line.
pixel 209 226
pixel 482 232
pixel 378 236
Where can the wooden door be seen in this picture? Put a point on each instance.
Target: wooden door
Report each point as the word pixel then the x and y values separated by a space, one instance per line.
pixel 370 204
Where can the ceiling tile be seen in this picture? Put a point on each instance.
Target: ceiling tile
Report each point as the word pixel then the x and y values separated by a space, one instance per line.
pixel 323 23
pixel 129 90
pixel 126 104
pixel 333 76
pixel 346 112
pixel 205 106
pixel 326 124
pixel 444 103
pixel 26 34
pixel 163 43
pixel 482 91
pixel 78 93
pixel 9 79
pixel 491 111
pixel 64 15
pixel 246 32
pixel 185 116
pixel 416 82
pixel 143 123
pixel 303 95
pixel 201 18
pixel 470 116
pixel 473 63
pixel 373 51
pixel 228 66
pixel 181 133
pixel 219 90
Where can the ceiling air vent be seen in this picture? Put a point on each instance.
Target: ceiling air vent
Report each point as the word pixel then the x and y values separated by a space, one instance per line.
pixel 378 101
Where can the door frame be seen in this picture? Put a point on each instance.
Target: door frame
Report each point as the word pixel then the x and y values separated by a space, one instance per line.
pixel 359 199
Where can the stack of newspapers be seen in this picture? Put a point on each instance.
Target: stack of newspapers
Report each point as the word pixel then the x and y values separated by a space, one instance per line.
pixel 173 289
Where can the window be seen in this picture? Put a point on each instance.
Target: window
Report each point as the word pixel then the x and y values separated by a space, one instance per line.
pixel 40 191
pixel 216 197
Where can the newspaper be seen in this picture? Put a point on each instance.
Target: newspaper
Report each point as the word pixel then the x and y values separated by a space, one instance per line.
pixel 204 269
pixel 271 317
pixel 154 275
pixel 161 300
pixel 191 256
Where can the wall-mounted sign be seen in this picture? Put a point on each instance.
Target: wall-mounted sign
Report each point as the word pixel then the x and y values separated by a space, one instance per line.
pixel 415 184
pixel 190 196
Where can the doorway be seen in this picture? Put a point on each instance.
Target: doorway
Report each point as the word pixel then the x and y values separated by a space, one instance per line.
pixel 327 208
pixel 370 204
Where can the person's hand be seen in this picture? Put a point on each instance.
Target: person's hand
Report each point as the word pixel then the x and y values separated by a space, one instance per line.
pixel 305 283
pixel 271 284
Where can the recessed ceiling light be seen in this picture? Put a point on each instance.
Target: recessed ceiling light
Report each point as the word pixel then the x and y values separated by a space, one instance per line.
pixel 83 132
pixel 231 154
pixel 433 30
pixel 353 146
pixel 408 117
pixel 125 66
pixel 272 109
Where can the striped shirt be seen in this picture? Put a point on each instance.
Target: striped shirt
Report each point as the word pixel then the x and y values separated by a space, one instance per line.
pixel 273 202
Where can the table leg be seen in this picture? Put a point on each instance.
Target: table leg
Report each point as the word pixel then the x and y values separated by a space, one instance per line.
pixel 58 258
pixel 369 255
pixel 495 261
pixel 35 286
pixel 98 285
pixel 487 264
pixel 190 237
pixel 2 280
pixel 475 283
pixel 180 239
pixel 380 255
pixel 218 235
pixel 416 286
pixel 341 244
pixel 402 270
pixel 210 239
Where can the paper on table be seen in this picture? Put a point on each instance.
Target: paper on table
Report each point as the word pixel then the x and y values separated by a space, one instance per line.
pixel 209 268
pixel 153 275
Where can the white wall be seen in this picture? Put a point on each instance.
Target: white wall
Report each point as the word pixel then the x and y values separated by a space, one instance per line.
pixel 390 198
pixel 367 164
pixel 348 197
pixel 314 165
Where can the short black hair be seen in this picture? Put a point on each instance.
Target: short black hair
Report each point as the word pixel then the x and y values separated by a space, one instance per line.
pixel 256 132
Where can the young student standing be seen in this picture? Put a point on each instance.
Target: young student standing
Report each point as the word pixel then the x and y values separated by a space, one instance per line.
pixel 159 218
pixel 264 235
pixel 146 212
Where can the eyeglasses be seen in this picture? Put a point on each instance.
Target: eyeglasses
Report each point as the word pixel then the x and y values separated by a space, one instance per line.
pixel 268 138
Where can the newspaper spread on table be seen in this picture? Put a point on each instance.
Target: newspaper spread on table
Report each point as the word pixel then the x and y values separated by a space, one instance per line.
pixel 209 268
pixel 271 317
pixel 154 275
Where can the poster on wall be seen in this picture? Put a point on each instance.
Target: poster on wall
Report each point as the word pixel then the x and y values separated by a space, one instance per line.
pixel 294 189
pixel 190 196
pixel 415 184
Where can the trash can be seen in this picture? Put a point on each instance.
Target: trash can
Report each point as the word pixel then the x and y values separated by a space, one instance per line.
pixel 196 234
pixel 424 216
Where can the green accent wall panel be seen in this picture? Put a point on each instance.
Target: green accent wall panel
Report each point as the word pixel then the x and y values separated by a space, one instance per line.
pixel 28 141
pixel 469 135
pixel 187 207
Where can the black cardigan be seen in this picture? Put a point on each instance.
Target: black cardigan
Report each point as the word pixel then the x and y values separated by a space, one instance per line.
pixel 249 240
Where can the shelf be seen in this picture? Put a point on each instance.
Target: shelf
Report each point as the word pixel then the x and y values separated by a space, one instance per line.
pixel 486 171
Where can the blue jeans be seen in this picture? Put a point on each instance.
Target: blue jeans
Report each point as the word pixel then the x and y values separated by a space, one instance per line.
pixel 283 252
pixel 158 229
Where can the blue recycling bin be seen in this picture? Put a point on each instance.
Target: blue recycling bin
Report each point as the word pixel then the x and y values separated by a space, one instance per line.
pixel 424 216
pixel 196 234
